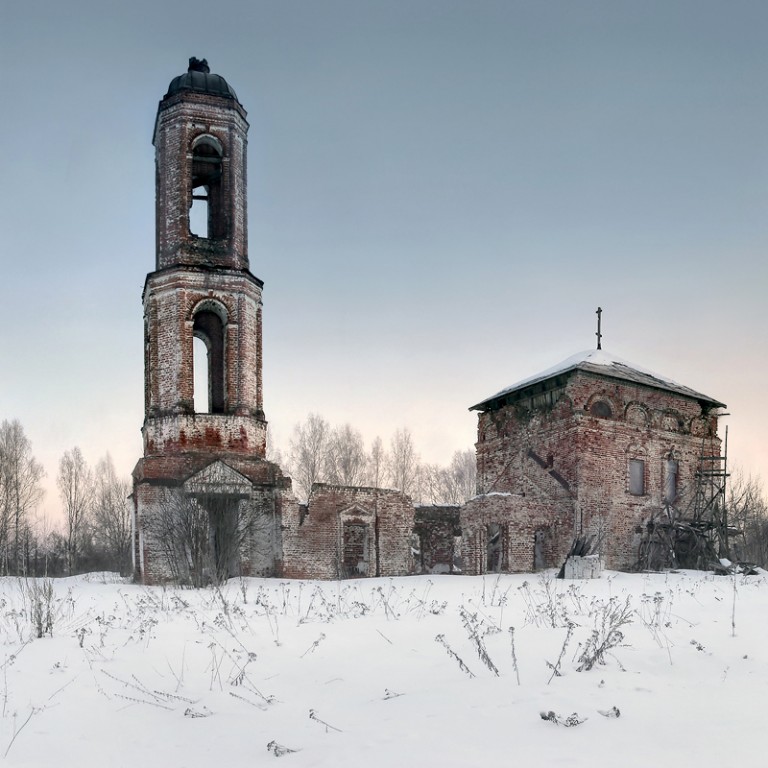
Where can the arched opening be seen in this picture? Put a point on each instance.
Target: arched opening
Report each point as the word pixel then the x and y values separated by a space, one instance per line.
pixel 202 392
pixel 601 409
pixel 208 345
pixel 198 216
pixel 206 214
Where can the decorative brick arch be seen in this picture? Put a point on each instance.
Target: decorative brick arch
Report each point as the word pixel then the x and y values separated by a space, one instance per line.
pixel 209 324
pixel 638 414
pixel 207 183
pixel 672 421
pixel 601 406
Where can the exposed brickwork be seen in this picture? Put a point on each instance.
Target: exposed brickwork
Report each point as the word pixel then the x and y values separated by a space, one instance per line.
pixel 314 541
pixel 182 119
pixel 522 519
pixel 568 469
pixel 202 285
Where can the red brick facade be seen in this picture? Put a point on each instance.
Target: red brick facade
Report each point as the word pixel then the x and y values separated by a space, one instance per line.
pixel 348 532
pixel 555 459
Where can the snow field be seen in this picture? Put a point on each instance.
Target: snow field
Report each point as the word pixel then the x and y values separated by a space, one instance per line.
pixel 351 671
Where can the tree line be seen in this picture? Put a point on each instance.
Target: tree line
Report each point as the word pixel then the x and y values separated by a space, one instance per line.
pixel 321 453
pixel 95 533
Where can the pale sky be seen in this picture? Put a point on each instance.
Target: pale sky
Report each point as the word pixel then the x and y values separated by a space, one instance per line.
pixel 440 196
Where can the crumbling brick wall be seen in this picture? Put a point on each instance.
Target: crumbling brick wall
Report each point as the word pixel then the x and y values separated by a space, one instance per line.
pixel 574 445
pixel 528 529
pixel 345 532
pixel 159 483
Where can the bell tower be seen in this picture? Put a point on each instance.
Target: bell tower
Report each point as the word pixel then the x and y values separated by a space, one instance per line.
pixel 201 289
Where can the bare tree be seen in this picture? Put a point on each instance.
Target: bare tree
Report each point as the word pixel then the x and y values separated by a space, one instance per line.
pixel 181 529
pixel 20 492
pixel 377 464
pixel 432 484
pixel 76 491
pixel 403 462
pixel 111 514
pixel 748 512
pixel 309 448
pixel 345 457
pixel 462 477
pixel 274 454
pixel 42 560
pixel 201 538
pixel 453 484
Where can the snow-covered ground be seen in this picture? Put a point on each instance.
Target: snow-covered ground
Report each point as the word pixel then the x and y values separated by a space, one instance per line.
pixel 387 672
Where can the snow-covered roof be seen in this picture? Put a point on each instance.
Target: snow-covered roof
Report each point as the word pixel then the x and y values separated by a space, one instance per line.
pixel 604 364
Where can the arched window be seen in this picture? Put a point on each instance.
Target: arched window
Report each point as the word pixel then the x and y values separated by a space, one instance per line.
pixel 601 409
pixel 208 328
pixel 206 215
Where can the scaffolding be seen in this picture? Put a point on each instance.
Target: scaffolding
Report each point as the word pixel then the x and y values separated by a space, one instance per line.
pixel 698 536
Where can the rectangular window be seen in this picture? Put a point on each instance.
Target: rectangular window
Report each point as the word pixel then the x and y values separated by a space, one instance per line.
pixel 670 481
pixel 636 477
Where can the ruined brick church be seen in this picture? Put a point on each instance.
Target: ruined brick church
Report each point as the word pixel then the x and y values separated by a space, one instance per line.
pixel 593 445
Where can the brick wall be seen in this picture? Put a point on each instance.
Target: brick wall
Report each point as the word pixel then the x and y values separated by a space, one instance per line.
pixel 314 537
pixel 182 119
pixel 562 455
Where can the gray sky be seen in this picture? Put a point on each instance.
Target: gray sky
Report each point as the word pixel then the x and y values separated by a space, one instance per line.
pixel 440 195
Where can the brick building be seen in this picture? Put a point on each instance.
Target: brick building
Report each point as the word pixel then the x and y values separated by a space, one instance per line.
pixel 593 445
pixel 207 503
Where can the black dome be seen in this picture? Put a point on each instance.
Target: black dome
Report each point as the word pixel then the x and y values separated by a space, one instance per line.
pixel 199 78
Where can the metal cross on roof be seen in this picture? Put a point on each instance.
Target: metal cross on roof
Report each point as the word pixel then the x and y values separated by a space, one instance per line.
pixel 598 334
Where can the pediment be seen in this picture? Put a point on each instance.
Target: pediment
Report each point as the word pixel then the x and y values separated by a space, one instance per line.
pixel 356 511
pixel 218 479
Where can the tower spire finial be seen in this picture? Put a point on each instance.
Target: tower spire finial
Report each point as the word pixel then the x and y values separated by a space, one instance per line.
pixel 599 335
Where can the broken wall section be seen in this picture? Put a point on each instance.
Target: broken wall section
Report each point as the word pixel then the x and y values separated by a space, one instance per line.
pixel 437 539
pixel 348 532
pixel 508 533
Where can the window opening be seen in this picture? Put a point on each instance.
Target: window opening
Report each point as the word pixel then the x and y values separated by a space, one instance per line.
pixel 637 477
pixel 670 481
pixel 493 550
pixel 206 215
pixel 355 555
pixel 209 328
pixel 202 393
pixel 538 551
pixel 601 409
pixel 198 216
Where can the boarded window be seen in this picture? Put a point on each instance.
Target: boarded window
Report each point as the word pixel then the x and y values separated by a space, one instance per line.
pixel 670 481
pixel 539 561
pixel 494 550
pixel 601 409
pixel 636 477
pixel 355 554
